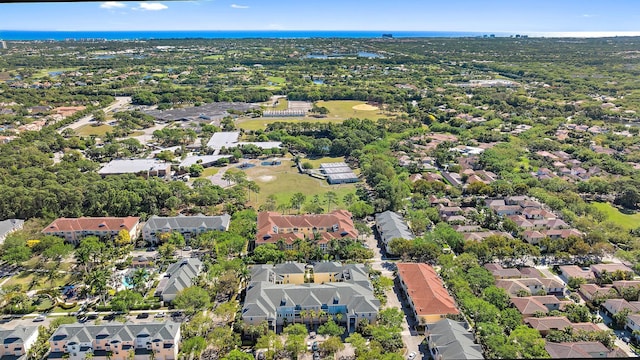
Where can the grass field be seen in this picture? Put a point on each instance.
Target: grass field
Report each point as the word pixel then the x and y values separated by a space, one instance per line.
pixel 317 161
pixel 261 123
pixel 283 181
pixel 45 72
pixel 614 215
pixel 343 109
pixel 213 57
pixel 24 279
pixel 283 104
pixel 276 79
pixel 89 129
pixel 209 172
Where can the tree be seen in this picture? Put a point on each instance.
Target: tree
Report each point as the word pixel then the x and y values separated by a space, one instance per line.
pixel 295 344
pixel 195 170
pixel 192 299
pixel 139 280
pixel 236 354
pixel 297 200
pixel 15 250
pixel 331 198
pixel 391 317
pixel 123 238
pixel 194 345
pixel 496 296
pixel 125 300
pixel 332 345
pixel 578 313
pixel 628 198
pixel 331 328
pixel 226 310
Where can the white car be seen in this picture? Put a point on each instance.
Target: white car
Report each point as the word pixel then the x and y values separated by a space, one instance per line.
pixel 412 355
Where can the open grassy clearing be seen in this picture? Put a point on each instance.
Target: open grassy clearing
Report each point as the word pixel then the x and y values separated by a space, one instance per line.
pixel 284 180
pixel 213 57
pixel 26 277
pixel 283 104
pixel 344 109
pixel 276 79
pixel 261 123
pixel 629 221
pixel 209 172
pixel 317 161
pixel 45 72
pixel 89 129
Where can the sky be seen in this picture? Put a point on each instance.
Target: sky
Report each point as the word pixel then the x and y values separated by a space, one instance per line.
pixel 510 16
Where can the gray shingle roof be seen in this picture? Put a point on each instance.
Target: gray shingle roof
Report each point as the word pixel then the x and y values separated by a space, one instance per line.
pixel 82 333
pixel 391 225
pixel 182 222
pixel 17 335
pixel 453 341
pixel 264 296
pixel 180 276
pixel 8 226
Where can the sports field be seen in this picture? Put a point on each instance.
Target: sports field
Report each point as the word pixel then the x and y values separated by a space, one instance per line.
pixel 344 109
pixel 261 123
pixel 284 180
pixel 89 129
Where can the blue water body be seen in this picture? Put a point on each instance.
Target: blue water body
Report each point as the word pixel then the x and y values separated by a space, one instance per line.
pixel 222 34
pixel 318 82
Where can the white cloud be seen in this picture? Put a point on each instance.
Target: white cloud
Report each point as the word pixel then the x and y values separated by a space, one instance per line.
pixel 112 5
pixel 236 6
pixel 152 6
pixel 587 15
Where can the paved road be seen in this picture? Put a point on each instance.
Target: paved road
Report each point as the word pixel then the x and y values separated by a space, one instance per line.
pixel 395 299
pixel 120 102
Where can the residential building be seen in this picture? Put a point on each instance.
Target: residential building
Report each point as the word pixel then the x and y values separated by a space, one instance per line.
pixel 633 322
pixel 285 273
pixel 275 228
pixel 179 276
pixel 592 291
pixel 269 298
pixel 578 350
pixel 116 341
pixel 448 339
pixel 516 287
pixel 614 306
pixel 15 343
pixel 144 167
pixel 501 273
pixel 391 225
pixel 188 226
pixel 9 226
pixel 574 271
pixel 532 305
pixel 429 300
pixel 600 269
pixel 74 229
pixel 558 323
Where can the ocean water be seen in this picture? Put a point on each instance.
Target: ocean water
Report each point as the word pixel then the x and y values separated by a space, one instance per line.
pixel 222 34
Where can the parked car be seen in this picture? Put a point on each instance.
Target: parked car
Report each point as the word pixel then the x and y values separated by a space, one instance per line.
pixel 308 345
pixel 314 346
pixel 412 355
pixel 316 356
pixel 159 315
pixel 39 318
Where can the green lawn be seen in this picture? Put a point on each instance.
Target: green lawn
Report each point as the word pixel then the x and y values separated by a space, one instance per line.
pixel 317 161
pixel 630 221
pixel 209 172
pixel 343 109
pixel 45 72
pixel 283 104
pixel 213 57
pixel 276 79
pixel 89 129
pixel 283 181
pixel 261 123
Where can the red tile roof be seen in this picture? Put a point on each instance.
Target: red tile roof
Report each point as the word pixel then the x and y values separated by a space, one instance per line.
pixel 269 221
pixel 426 290
pixel 92 224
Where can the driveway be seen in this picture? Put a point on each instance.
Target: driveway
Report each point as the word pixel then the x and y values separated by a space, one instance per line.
pixel 395 298
pixel 119 103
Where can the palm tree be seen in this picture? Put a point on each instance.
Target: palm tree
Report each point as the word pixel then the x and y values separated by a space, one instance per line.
pixel 303 315
pixel 139 280
pixel 331 198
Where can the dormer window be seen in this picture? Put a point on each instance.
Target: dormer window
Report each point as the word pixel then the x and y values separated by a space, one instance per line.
pixel 275 229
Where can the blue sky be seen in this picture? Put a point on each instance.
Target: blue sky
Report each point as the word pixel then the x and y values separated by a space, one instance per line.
pixel 520 16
